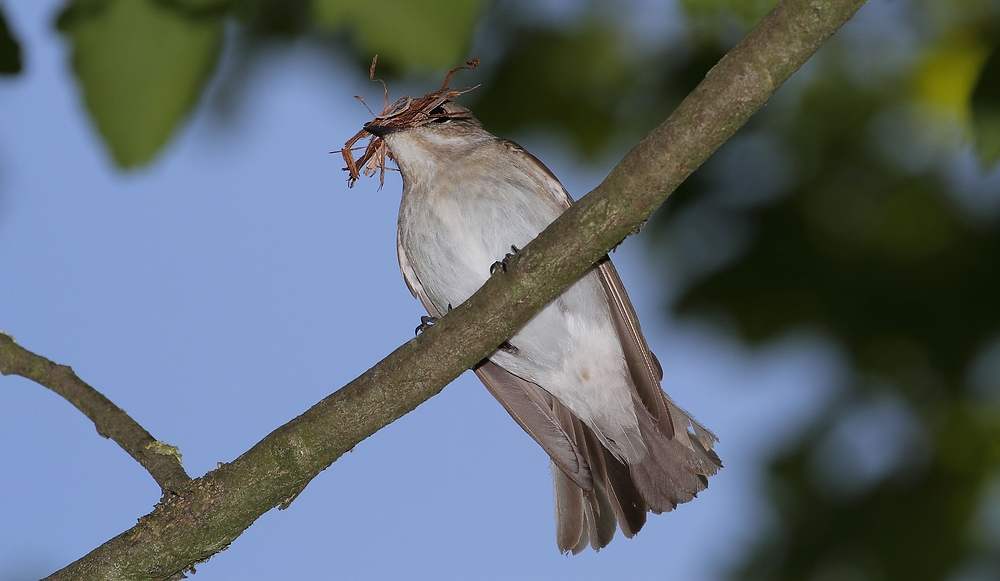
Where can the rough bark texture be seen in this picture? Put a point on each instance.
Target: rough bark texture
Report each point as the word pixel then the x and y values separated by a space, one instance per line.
pixel 213 510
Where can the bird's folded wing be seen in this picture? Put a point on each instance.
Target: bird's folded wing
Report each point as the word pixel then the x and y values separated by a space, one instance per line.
pixel 585 517
pixel 644 368
pixel 642 364
pixel 530 407
pixel 646 372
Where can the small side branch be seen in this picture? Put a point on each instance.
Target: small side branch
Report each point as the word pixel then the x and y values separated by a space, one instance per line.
pixel 110 420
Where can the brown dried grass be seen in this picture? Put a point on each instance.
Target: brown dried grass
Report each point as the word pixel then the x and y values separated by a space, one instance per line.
pixel 403 113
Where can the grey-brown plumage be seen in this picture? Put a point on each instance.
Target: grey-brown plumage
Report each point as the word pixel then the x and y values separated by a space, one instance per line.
pixel 579 377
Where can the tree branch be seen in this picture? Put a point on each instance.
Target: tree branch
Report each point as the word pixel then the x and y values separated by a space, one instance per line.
pixel 216 508
pixel 110 420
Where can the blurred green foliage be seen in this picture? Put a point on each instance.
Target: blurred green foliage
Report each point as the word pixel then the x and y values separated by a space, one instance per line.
pixel 584 83
pixel 142 67
pixel 986 111
pixel 10 50
pixel 745 12
pixel 426 34
pixel 876 254
pixel 843 207
pixel 573 80
pixel 871 238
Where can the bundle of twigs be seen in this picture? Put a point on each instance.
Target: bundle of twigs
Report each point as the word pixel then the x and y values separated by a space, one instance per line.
pixel 405 112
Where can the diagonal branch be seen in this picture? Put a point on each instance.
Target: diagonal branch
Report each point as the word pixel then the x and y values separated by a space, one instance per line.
pixel 184 530
pixel 110 420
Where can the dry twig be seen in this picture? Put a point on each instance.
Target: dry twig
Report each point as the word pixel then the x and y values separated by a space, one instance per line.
pixel 159 459
pixel 403 112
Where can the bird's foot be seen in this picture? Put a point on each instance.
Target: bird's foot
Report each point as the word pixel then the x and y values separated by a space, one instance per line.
pixel 634 231
pixel 502 264
pixel 426 322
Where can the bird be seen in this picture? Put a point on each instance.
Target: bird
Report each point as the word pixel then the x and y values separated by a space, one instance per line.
pixel 579 377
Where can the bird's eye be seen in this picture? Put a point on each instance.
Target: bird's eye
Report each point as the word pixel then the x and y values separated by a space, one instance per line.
pixel 439 114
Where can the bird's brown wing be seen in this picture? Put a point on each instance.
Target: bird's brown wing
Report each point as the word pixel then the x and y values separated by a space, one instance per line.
pixel 642 364
pixel 548 181
pixel 586 511
pixel 591 517
pixel 531 408
pixel 680 455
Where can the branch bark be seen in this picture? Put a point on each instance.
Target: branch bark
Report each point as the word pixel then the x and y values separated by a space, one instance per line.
pixel 215 509
pixel 110 420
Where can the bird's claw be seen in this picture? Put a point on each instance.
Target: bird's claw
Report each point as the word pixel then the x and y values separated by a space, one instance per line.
pixel 634 231
pixel 426 322
pixel 502 264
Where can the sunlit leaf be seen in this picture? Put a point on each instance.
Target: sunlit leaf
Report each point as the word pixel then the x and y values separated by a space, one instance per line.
pixel 141 67
pixel 946 74
pixel 10 50
pixel 405 33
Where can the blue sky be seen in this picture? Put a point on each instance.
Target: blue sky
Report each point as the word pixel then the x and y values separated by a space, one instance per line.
pixel 221 291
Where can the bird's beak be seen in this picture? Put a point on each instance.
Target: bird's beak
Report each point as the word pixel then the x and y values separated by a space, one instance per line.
pixel 380 131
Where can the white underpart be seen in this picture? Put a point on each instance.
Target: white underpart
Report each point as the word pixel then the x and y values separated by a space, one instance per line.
pixel 451 237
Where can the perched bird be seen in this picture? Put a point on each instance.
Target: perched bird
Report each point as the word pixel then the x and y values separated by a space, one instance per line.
pixel 579 377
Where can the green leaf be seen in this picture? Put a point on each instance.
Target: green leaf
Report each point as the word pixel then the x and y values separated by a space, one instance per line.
pixel 10 50
pixel 408 34
pixel 986 112
pixel 142 67
pixel 201 6
pixel 573 80
pixel 746 12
